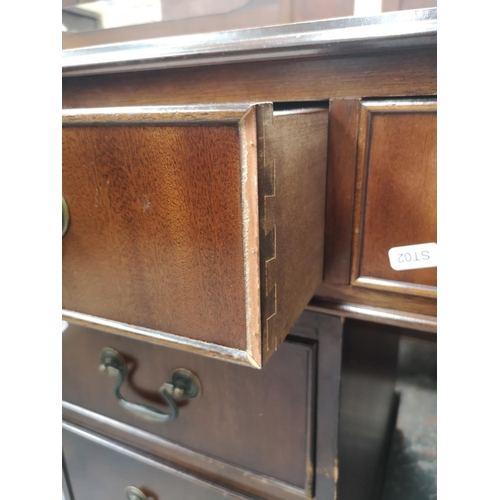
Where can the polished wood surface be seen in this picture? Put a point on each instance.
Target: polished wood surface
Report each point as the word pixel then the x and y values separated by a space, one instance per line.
pixel 196 463
pixel 422 325
pixel 258 420
pixel 156 228
pixel 342 146
pixel 339 80
pixel 384 301
pixel 195 222
pixel 381 194
pixel 396 192
pixel 102 469
pixel 292 213
pixel 397 73
pixel 341 449
pixel 316 335
pixel 306 425
pixel 328 332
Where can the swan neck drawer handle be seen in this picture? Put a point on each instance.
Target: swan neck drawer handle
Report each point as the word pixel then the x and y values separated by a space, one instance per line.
pixel 184 385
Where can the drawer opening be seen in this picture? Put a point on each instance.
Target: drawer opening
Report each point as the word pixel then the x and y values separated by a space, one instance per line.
pixel 295 105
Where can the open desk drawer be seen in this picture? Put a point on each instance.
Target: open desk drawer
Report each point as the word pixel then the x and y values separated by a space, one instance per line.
pixel 200 227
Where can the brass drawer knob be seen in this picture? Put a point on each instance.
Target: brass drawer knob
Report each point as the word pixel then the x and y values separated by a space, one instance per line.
pixel 134 493
pixel 184 385
pixel 65 216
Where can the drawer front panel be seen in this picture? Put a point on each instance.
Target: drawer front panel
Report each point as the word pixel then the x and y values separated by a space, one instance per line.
pixel 396 193
pixel 258 420
pixel 156 229
pixel 100 469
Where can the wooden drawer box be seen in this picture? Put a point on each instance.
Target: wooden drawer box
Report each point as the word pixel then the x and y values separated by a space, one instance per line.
pixel 199 227
pixel 259 421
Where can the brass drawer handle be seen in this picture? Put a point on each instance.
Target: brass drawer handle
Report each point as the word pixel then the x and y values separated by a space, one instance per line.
pixel 184 385
pixel 134 493
pixel 65 216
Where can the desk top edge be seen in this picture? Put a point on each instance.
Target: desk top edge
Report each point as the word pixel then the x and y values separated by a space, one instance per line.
pixel 388 31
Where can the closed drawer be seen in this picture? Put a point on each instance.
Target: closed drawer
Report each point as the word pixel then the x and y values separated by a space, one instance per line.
pixel 259 422
pixel 100 469
pixel 199 227
pixel 396 197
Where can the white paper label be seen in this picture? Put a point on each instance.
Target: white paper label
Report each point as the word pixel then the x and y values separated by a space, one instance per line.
pixel 413 256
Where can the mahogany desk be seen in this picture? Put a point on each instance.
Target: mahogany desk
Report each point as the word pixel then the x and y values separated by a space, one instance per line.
pixel 229 204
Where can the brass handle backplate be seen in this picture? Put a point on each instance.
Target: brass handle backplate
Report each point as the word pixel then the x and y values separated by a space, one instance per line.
pixel 184 385
pixel 65 216
pixel 134 493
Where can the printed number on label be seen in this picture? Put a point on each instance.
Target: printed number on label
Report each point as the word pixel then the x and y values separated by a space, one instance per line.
pixel 413 256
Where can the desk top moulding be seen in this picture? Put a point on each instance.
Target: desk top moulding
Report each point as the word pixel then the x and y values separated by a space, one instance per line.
pixel 350 35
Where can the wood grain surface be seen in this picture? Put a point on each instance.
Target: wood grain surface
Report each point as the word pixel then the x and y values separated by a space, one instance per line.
pixel 102 469
pixel 155 234
pixel 397 192
pixel 342 149
pixel 396 73
pixel 258 420
pixel 311 356
pixel 204 224
pixel 292 216
pixel 380 194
